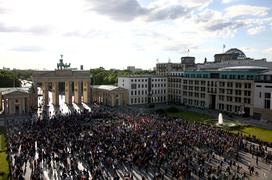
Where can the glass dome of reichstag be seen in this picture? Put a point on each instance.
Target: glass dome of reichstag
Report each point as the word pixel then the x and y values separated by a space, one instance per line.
pixel 241 54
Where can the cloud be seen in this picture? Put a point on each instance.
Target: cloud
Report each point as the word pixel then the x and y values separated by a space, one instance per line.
pixel 227 1
pixel 123 10
pixel 246 10
pixel 268 51
pixel 170 12
pixel 33 29
pixel 3 11
pixel 221 25
pixel 27 48
pixel 248 49
pixel 128 10
pixel 256 30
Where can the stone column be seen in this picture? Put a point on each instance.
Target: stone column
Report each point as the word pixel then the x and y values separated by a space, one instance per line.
pixel 22 105
pixel 112 100
pixel 5 106
pixel 11 107
pixel 86 91
pixel 77 92
pixel 68 94
pixel 45 92
pixel 55 93
pixel 34 100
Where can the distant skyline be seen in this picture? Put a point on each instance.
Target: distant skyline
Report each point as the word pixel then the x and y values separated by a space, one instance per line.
pixel 121 33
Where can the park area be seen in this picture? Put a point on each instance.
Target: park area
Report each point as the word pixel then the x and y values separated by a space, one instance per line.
pixel 235 126
pixel 4 166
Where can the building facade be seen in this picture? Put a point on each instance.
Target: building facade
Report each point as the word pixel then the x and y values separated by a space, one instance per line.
pixel 262 96
pixel 144 89
pixel 227 91
pixel 110 95
pixel 162 69
pixel 16 101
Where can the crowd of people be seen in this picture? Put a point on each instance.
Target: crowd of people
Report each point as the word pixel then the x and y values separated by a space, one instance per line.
pixel 107 143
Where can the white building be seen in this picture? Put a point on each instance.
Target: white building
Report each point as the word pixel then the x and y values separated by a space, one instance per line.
pixel 263 96
pixel 144 89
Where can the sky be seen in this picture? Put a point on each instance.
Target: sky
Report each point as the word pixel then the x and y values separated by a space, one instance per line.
pixel 121 33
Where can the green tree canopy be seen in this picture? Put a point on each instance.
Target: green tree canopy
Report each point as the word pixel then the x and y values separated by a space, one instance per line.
pixel 110 77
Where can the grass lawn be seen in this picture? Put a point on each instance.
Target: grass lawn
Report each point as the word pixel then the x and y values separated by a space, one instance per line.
pixel 192 116
pixel 4 165
pixel 260 133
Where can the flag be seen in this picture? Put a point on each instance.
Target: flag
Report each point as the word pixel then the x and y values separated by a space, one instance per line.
pixel 224 46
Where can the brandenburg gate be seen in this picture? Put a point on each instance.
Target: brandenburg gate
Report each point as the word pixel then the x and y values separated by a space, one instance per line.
pixel 80 79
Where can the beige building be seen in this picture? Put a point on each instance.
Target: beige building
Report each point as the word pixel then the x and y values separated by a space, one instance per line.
pixel 110 95
pixel 16 101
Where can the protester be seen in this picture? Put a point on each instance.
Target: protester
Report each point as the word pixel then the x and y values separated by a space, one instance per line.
pixel 108 143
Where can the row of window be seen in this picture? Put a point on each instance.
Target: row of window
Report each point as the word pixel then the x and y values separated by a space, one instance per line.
pixel 144 92
pixel 145 80
pixel 230 108
pixel 210 83
pixel 134 86
pixel 143 100
pixel 193 102
pixel 191 94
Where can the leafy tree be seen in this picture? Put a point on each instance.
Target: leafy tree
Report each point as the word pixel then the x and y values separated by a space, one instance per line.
pixel 109 77
pixel 9 79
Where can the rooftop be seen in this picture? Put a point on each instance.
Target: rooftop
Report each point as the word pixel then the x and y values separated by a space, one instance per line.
pixel 106 87
pixel 14 89
pixel 243 68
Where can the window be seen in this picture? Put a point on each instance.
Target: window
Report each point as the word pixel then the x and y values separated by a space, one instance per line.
pixel 221 106
pixel 247 85
pixel 229 98
pixel 247 100
pixel 267 103
pixel 133 86
pixel 131 92
pixel 238 85
pixel 237 92
pixel 247 93
pixel 237 99
pixel 229 107
pixel 267 95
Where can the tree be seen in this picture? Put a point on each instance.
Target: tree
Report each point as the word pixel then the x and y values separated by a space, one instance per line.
pixel 110 77
pixel 9 79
